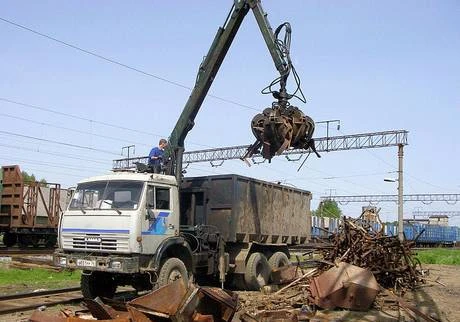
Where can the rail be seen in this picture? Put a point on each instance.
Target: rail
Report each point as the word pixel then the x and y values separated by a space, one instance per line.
pixel 31 300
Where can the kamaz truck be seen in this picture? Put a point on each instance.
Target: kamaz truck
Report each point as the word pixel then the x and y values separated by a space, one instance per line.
pixel 146 229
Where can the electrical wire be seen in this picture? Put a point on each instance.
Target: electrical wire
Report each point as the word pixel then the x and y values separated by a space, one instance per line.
pixel 113 61
pixel 342 179
pixel 395 168
pixel 76 116
pixel 53 164
pixel 46 109
pixel 62 155
pixel 58 142
pixel 70 129
pixel 32 170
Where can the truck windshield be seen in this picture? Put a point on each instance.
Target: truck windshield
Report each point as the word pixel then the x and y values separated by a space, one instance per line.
pixel 107 195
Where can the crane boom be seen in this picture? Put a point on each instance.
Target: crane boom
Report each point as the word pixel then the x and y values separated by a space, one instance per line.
pixel 209 68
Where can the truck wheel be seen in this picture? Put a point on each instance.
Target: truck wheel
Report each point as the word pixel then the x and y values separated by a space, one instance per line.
pixel 278 259
pixel 257 272
pixel 171 270
pixel 97 284
pixel 9 239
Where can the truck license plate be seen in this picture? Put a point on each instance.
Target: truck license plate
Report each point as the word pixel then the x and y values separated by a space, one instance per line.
pixel 86 262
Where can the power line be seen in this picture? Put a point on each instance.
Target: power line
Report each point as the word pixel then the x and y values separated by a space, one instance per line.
pixel 94 54
pixel 49 110
pixel 35 171
pixel 69 129
pixel 58 142
pixel 69 156
pixel 75 116
pixel 113 61
pixel 394 167
pixel 53 164
pixel 344 180
pixel 337 177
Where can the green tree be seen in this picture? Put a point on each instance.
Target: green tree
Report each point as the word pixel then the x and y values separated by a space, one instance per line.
pixel 328 208
pixel 28 178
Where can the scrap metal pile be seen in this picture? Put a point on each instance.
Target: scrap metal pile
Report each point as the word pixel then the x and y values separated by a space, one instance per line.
pixel 357 270
pixel 173 302
pixel 389 259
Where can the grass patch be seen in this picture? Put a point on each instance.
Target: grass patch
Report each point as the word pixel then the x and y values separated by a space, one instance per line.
pixel 439 256
pixel 38 278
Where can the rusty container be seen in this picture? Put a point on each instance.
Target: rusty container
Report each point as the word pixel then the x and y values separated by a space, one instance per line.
pixel 246 210
pixel 346 286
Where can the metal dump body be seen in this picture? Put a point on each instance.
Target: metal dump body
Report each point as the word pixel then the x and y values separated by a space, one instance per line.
pixel 247 210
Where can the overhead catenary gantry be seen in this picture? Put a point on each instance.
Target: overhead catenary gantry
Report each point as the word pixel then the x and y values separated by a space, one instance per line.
pixel 427 198
pixel 323 144
pixel 436 213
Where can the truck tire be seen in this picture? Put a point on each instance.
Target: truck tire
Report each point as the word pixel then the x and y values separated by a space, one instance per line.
pixel 171 270
pixel 97 284
pixel 9 239
pixel 278 259
pixel 257 272
pixel 237 282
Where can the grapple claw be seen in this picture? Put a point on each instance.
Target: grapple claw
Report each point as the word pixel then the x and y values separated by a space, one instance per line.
pixel 280 128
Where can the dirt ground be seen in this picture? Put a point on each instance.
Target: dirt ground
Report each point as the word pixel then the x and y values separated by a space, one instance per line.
pixel 439 298
pixel 444 300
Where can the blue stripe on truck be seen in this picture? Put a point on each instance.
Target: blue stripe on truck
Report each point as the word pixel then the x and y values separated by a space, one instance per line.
pixel 158 225
pixel 84 230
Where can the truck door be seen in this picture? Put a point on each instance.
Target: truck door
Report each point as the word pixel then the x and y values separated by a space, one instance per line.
pixel 192 208
pixel 157 223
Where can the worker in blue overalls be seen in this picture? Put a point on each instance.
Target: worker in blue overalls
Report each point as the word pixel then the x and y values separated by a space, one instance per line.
pixel 156 156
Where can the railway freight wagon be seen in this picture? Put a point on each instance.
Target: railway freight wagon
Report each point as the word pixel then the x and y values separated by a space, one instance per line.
pixel 323 227
pixel 29 211
pixel 128 229
pixel 425 234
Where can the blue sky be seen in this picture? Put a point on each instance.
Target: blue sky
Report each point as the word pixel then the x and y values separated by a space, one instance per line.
pixel 376 66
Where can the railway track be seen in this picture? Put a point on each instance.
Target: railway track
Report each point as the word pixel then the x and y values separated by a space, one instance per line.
pixel 32 300
pixel 4 251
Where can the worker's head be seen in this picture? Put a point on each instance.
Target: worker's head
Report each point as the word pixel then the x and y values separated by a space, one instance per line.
pixel 163 143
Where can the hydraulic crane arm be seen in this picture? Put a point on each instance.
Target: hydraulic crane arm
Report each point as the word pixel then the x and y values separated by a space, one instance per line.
pixel 209 68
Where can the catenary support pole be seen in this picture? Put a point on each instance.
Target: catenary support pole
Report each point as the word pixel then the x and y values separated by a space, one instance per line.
pixel 400 192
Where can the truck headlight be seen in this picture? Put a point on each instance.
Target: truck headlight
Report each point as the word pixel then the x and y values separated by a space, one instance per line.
pixel 116 265
pixel 62 261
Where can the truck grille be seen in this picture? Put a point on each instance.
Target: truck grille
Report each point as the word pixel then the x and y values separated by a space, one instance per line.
pixel 96 242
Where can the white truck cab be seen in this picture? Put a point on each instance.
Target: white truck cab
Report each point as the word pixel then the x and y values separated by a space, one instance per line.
pixel 119 223
pixel 130 213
